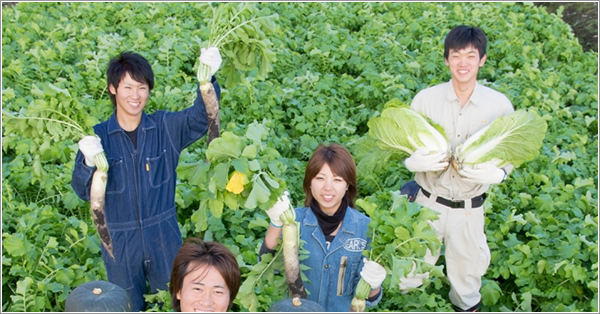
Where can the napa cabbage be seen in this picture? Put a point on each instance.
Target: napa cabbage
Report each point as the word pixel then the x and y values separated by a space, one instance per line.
pixel 402 129
pixel 514 138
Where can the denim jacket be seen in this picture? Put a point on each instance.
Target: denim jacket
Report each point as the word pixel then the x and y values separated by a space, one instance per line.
pixel 334 273
pixel 141 182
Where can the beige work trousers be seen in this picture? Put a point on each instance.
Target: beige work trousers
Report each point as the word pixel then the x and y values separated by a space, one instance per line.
pixel 466 251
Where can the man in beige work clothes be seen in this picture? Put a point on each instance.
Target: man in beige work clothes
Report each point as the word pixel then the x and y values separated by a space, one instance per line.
pixel 462 107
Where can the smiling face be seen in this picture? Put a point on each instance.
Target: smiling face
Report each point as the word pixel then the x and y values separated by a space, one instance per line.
pixel 464 64
pixel 204 290
pixel 131 97
pixel 328 189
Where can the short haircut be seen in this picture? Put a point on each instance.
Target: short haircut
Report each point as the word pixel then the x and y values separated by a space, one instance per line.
pixel 128 62
pixel 339 159
pixel 463 36
pixel 195 253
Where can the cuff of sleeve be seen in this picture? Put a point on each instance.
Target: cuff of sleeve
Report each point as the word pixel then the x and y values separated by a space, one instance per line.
pixel 276 226
pixel 372 301
pixel 264 250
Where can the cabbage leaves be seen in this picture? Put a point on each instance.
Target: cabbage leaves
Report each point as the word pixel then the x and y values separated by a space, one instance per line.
pixel 514 138
pixel 402 129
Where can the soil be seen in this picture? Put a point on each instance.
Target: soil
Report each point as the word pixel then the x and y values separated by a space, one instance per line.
pixel 583 19
pixel 581 16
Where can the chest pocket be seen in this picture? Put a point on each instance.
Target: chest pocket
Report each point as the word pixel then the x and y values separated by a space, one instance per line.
pixel 159 169
pixel 116 181
pixel 347 275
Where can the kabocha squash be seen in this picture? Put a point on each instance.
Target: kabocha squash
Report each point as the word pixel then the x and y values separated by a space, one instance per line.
pixel 296 305
pixel 98 296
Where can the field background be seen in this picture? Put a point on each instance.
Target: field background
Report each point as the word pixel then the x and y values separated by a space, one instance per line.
pixel 336 66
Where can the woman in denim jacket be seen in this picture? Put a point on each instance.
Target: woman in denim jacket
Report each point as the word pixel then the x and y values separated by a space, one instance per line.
pixel 334 232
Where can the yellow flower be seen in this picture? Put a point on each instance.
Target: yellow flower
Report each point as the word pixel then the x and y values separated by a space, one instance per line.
pixel 236 183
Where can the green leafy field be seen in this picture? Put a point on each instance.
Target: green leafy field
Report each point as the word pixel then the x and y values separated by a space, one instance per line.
pixel 336 65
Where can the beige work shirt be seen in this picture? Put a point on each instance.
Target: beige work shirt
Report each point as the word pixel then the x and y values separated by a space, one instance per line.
pixel 441 105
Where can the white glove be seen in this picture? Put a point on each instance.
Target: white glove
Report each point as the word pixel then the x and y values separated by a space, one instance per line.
pixel 212 58
pixel 373 273
pixel 422 161
pixel 90 146
pixel 283 204
pixel 483 173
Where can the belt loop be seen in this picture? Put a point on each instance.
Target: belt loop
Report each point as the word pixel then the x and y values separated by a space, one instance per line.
pixel 469 203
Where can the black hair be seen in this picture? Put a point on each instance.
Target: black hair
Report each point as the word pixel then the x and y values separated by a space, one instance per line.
pixel 128 62
pixel 196 253
pixel 463 36
pixel 339 159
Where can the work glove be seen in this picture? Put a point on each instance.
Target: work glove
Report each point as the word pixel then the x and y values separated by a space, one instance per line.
pixel 422 161
pixel 373 273
pixel 483 173
pixel 212 58
pixel 90 146
pixel 283 204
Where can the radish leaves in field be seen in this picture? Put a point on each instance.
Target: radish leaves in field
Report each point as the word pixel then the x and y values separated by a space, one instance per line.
pixel 245 159
pixel 241 35
pixel 542 225
pixel 400 234
pixel 241 32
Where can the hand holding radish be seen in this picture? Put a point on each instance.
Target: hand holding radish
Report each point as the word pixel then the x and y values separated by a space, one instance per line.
pixel 373 273
pixel 212 58
pixel 483 173
pixel 422 161
pixel 283 204
pixel 92 150
pixel 372 276
pixel 90 146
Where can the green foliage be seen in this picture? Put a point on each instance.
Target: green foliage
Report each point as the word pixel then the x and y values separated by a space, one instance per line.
pixel 400 235
pixel 248 156
pixel 241 33
pixel 581 16
pixel 335 66
pixel 263 285
pixel 44 256
pixel 159 302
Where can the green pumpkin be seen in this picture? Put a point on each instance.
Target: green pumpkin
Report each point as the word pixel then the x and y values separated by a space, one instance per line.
pixel 296 305
pixel 98 296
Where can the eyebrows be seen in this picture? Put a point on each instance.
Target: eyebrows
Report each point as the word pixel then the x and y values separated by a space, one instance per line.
pixel 468 50
pixel 327 174
pixel 203 284
pixel 133 83
pixel 322 175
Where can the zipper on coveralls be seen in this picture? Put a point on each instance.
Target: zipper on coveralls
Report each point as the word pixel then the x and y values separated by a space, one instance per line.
pixel 137 187
pixel 137 200
pixel 341 275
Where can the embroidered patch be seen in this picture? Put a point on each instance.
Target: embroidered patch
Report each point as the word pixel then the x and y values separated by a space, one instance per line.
pixel 355 244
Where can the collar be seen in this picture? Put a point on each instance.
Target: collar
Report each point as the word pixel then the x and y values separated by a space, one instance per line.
pixel 329 223
pixel 145 124
pixel 476 98
pixel 350 219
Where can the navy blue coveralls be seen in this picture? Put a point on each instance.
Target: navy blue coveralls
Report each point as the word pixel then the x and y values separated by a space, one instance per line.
pixel 140 194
